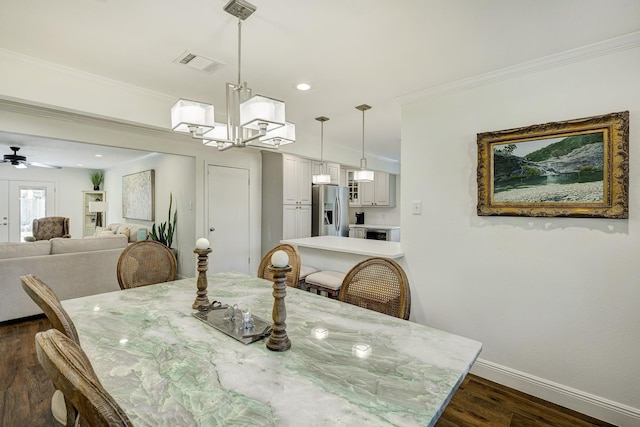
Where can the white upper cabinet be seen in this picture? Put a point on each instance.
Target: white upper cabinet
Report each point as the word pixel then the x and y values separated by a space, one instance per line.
pixel 332 169
pixel 296 180
pixel 381 192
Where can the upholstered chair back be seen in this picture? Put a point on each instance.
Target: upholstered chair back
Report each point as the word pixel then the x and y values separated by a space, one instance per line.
pixel 49 227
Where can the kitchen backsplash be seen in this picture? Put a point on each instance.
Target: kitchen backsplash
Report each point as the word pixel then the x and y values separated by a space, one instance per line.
pixel 381 216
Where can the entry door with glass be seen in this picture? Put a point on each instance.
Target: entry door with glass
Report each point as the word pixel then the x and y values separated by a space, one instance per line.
pixel 28 201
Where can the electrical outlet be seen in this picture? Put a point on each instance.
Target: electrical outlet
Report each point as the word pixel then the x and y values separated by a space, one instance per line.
pixel 416 207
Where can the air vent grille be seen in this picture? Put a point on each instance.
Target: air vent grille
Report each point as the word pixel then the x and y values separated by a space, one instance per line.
pixel 198 62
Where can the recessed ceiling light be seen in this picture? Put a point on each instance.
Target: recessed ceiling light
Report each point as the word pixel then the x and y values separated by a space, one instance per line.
pixel 98 155
pixel 79 164
pixel 303 86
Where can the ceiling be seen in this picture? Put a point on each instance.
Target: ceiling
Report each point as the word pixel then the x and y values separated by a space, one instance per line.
pixel 351 52
pixel 67 154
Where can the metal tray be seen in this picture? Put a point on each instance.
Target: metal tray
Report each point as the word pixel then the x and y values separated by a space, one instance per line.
pixel 216 318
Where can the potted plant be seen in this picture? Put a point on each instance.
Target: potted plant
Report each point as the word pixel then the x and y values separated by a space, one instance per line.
pixel 165 231
pixel 97 177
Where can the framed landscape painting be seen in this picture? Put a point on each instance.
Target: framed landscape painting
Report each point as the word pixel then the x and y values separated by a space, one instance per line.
pixel 575 168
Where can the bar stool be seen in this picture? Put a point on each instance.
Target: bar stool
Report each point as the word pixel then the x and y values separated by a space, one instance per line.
pixel 305 270
pixel 327 281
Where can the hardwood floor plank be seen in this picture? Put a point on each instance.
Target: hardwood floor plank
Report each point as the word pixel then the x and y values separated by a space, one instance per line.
pixel 492 401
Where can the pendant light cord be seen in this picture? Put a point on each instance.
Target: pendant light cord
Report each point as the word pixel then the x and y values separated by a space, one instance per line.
pixel 239 51
pixel 363 133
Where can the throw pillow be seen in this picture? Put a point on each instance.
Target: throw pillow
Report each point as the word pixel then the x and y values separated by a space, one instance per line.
pixel 126 232
pixel 105 233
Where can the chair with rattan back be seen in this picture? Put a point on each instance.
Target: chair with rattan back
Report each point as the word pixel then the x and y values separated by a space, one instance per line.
pixel 146 262
pixel 292 276
pixel 70 371
pixel 63 413
pixel 378 284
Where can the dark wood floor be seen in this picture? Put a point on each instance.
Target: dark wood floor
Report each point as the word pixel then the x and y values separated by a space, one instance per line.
pixel 25 392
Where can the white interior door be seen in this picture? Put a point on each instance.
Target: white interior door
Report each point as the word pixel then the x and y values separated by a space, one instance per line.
pixel 228 219
pixel 27 201
pixel 4 210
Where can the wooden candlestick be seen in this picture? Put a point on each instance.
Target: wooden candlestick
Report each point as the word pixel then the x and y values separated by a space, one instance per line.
pixel 201 299
pixel 278 340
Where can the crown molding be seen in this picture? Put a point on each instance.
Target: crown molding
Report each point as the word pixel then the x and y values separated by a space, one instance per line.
pixel 16 57
pixel 606 47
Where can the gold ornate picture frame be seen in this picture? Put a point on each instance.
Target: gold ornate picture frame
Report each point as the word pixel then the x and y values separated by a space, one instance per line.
pixel 575 168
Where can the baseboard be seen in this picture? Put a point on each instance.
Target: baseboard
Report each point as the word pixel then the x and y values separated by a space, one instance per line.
pixel 585 403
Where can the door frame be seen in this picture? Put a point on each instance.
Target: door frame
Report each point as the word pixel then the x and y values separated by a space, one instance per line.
pixel 208 201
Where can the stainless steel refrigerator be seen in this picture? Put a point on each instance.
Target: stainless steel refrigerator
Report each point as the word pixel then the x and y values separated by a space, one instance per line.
pixel 329 211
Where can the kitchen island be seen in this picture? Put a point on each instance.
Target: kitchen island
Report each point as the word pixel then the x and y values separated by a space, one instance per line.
pixel 341 253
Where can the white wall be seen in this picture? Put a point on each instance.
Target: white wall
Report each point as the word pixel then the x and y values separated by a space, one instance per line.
pixel 173 175
pixel 555 301
pixel 69 184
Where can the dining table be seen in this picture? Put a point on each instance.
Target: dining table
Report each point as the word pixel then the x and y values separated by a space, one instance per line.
pixel 347 366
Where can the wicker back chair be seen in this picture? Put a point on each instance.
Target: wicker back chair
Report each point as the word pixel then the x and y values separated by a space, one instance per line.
pixel 63 412
pixel 146 262
pixel 294 262
pixel 378 284
pixel 71 372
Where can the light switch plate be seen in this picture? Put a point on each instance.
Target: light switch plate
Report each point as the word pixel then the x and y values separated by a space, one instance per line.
pixel 416 207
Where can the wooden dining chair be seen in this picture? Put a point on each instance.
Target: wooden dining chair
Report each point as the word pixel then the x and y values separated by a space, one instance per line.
pixel 146 262
pixel 71 372
pixel 293 276
pixel 378 284
pixel 49 303
pixel 63 413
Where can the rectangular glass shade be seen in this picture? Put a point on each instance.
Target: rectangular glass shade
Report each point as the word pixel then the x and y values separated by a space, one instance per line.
pixel 363 175
pixel 185 113
pixel 280 136
pixel 260 109
pixel 321 179
pixel 218 133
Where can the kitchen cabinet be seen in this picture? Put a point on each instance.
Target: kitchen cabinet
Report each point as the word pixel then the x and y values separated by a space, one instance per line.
pixel 89 218
pixel 332 169
pixel 296 180
pixel 353 191
pixel 286 198
pixel 379 193
pixel 296 221
pixel 358 232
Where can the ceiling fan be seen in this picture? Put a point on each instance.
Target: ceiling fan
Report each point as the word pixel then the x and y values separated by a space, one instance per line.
pixel 20 162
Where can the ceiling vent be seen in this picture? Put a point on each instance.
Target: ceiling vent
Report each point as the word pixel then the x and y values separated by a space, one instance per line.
pixel 198 63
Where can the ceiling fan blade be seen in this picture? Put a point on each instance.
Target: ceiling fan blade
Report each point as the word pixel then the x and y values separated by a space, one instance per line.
pixel 42 165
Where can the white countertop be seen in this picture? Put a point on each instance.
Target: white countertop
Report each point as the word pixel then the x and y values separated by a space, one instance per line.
pixel 378 248
pixel 375 226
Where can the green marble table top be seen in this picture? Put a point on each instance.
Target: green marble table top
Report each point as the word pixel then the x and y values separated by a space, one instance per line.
pixel 346 366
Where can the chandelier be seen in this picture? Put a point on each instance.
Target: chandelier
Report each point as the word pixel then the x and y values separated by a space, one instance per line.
pixel 250 118
pixel 323 177
pixel 363 175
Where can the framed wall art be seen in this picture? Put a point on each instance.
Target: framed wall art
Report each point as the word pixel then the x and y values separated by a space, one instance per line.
pixel 575 168
pixel 138 195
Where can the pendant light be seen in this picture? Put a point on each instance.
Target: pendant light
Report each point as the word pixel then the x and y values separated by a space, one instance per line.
pixel 363 175
pixel 250 119
pixel 323 177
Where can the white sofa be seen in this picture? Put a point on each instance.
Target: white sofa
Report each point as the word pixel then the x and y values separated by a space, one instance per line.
pixel 72 267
